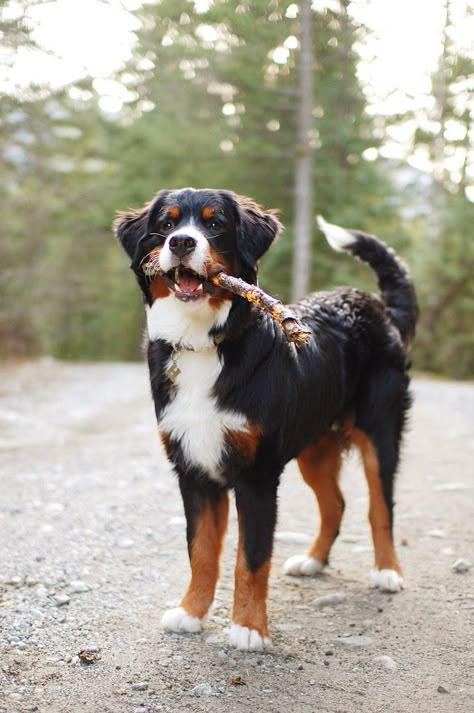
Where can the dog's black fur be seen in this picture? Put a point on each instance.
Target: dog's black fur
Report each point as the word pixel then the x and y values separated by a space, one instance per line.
pixel 351 376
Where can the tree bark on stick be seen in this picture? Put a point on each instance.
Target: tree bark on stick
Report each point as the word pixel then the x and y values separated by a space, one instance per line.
pixel 293 329
pixel 303 187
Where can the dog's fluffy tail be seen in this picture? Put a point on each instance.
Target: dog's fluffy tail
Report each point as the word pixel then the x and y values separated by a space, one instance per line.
pixel 397 290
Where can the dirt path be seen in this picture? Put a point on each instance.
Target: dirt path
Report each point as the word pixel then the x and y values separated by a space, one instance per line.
pixel 92 551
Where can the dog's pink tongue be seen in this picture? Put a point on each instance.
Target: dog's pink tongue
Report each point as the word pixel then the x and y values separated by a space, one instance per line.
pixel 188 283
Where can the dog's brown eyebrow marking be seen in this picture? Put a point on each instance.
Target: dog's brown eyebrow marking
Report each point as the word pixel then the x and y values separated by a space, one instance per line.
pixel 173 212
pixel 207 212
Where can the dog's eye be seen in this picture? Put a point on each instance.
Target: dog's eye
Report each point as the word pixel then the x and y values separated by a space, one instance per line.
pixel 167 225
pixel 214 225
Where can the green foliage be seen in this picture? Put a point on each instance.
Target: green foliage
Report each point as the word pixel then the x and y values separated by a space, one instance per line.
pixel 59 264
pixel 212 102
pixel 442 251
pixel 444 265
pixel 224 114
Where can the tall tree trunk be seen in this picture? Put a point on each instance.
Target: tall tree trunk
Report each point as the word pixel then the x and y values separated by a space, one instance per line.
pixel 303 187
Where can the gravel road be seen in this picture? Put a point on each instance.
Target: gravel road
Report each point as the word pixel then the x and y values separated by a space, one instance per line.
pixel 92 550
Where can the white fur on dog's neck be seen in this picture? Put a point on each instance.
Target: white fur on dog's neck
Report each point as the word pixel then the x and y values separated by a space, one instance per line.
pixel 185 323
pixel 193 416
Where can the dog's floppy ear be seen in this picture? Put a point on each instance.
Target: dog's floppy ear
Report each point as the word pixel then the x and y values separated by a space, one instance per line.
pixel 258 230
pixel 130 226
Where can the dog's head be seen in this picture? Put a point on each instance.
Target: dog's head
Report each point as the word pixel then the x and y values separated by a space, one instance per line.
pixel 193 234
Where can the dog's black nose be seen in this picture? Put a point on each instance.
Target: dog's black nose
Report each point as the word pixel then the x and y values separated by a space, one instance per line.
pixel 181 245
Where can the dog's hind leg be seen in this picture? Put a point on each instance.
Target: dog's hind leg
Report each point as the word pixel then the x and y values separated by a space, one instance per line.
pixel 380 462
pixel 378 426
pixel 320 465
pixel 206 514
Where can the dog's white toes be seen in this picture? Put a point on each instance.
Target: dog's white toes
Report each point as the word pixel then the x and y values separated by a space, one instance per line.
pixel 387 580
pixel 245 639
pixel 302 566
pixel 179 620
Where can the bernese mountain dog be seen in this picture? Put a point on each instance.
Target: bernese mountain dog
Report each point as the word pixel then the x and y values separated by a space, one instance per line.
pixel 235 401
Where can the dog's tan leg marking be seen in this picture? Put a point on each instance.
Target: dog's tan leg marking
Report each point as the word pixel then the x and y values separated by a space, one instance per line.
pixel 384 552
pixel 320 464
pixel 204 556
pixel 249 629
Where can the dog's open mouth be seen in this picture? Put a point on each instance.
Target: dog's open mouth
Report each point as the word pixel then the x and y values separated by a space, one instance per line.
pixel 187 284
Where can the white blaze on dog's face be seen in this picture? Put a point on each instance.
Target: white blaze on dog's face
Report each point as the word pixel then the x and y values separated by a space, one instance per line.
pixel 187 252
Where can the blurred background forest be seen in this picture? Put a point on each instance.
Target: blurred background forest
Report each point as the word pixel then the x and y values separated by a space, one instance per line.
pixel 207 93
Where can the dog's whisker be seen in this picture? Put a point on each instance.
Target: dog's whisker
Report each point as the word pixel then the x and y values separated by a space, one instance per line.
pixel 144 258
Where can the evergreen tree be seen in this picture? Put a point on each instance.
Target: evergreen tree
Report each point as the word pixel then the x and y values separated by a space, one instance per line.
pixel 443 254
pixel 220 88
pixel 212 101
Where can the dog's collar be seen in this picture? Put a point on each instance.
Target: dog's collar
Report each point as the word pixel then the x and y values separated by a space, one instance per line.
pixel 173 370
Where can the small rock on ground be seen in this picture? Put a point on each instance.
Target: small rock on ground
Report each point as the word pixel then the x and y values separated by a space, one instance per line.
pixel 78 587
pixel 61 599
pixel 460 566
pixel 354 641
pixel 202 689
pixel 328 600
pixel 386 663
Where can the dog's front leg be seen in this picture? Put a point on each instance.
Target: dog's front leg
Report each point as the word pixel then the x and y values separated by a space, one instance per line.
pixel 256 507
pixel 206 508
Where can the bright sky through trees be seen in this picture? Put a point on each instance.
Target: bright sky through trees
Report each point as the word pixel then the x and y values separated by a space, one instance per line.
pixel 94 37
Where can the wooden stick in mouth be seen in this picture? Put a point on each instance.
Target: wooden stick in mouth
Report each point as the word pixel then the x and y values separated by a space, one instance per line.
pixel 292 328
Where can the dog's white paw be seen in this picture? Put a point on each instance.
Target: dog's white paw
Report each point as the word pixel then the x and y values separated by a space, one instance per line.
pixel 387 580
pixel 245 639
pixel 302 566
pixel 179 620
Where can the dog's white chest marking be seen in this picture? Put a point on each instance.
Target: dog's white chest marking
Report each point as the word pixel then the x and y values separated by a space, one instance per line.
pixel 193 416
pixel 185 323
